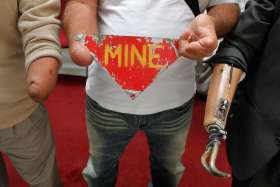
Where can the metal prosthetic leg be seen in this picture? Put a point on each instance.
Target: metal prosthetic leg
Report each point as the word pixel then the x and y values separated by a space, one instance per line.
pixel 222 88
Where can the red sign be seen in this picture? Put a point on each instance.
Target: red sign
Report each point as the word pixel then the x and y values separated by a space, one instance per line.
pixel 133 62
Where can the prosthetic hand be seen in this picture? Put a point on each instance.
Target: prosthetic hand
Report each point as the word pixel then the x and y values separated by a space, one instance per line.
pixel 225 79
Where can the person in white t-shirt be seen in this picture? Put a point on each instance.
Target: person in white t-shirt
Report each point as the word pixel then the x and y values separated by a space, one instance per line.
pixel 164 110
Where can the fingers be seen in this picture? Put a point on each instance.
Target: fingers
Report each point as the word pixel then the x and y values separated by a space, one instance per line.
pixel 187 36
pixel 200 39
pixel 209 43
pixel 80 54
pixel 186 45
pixel 197 50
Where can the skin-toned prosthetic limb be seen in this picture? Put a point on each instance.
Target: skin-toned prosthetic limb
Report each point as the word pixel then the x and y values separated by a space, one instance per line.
pixel 225 79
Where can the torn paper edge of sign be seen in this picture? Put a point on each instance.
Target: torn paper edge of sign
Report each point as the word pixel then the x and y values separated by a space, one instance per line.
pixel 133 94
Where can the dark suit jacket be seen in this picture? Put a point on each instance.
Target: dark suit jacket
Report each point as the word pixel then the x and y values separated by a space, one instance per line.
pixel 254 46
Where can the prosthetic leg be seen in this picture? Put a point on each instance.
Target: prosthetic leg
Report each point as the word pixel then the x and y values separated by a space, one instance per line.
pixel 225 79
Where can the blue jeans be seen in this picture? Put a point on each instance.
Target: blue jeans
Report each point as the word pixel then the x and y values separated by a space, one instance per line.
pixel 109 133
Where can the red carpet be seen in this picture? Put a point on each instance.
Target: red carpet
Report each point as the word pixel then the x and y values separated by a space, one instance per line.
pixel 66 111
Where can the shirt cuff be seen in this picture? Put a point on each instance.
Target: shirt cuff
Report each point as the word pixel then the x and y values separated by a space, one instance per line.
pixel 40 53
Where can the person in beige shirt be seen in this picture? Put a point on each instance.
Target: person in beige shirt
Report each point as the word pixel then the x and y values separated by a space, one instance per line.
pixel 29 61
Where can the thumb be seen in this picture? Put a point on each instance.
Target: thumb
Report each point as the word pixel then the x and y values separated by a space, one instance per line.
pixel 187 35
pixel 184 41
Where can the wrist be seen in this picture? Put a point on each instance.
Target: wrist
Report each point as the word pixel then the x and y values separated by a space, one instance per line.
pixel 47 62
pixel 212 21
pixel 205 21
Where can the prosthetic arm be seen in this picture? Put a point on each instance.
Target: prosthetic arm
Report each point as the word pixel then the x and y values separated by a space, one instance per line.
pixel 225 79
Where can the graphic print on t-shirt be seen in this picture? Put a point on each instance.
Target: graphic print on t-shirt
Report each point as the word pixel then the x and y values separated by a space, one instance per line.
pixel 133 62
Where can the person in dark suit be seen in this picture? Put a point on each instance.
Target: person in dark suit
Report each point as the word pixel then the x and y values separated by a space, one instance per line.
pixel 253 144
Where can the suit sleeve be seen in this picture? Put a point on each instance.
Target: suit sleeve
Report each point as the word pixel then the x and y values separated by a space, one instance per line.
pixel 39 27
pixel 243 44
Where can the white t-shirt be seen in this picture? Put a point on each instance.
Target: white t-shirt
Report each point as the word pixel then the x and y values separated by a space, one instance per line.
pixel 150 18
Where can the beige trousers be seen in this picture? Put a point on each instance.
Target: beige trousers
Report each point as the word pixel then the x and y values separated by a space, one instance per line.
pixel 30 147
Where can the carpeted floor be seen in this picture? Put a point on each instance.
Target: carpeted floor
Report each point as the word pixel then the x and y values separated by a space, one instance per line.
pixel 66 111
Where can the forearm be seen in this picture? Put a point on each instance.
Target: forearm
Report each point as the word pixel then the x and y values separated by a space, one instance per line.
pixel 39 28
pixel 80 17
pixel 225 79
pixel 224 16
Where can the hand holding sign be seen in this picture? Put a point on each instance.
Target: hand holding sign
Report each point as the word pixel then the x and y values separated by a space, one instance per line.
pixel 200 39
